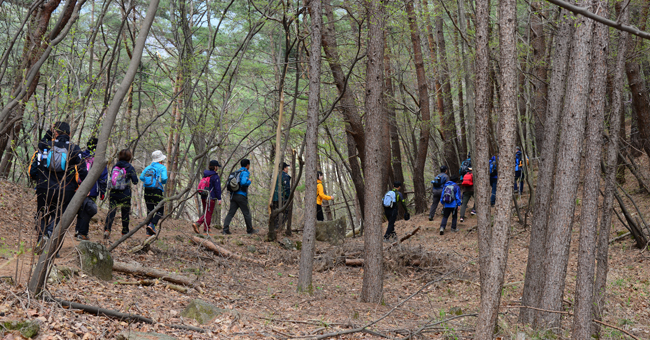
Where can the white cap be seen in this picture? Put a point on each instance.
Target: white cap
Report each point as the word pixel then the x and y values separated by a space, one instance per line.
pixel 157 156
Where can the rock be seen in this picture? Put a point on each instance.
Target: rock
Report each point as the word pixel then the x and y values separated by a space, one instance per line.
pixel 131 335
pixel 287 244
pixel 27 328
pixel 238 243
pixel 456 311
pixel 202 311
pixel 332 232
pixel 95 260
pixel 252 248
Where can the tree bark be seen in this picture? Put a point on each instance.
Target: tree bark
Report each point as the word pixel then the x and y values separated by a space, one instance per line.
pixel 533 282
pixel 373 283
pixel 569 150
pixel 582 312
pixel 540 72
pixel 136 268
pixel 311 148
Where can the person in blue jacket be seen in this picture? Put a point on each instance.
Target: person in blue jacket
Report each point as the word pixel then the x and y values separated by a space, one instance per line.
pixel 519 175
pixel 494 177
pixel 450 200
pixel 89 207
pixel 239 200
pixel 153 178
pixel 209 201
pixel 120 197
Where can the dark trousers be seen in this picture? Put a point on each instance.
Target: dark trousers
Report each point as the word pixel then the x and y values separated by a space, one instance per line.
pixel 319 213
pixel 50 204
pixel 84 215
pixel 519 178
pixel 493 197
pixel 279 219
pixel 153 196
pixel 445 215
pixel 238 201
pixel 437 193
pixel 466 196
pixel 122 202
pixel 391 215
pixel 208 207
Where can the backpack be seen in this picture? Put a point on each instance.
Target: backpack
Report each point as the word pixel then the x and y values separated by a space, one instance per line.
pixel 468 179
pixel 389 199
pixel 448 195
pixel 204 186
pixel 118 179
pixel 232 183
pixel 494 168
pixel 438 182
pixel 151 179
pixel 56 159
pixel 464 167
pixel 89 163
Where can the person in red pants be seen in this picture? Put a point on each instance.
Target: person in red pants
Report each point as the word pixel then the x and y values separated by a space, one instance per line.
pixel 210 197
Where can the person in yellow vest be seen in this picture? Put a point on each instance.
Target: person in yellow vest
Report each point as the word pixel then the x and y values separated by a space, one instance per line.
pixel 320 197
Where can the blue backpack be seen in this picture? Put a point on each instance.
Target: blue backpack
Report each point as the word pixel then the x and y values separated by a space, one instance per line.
pixel 151 179
pixel 438 181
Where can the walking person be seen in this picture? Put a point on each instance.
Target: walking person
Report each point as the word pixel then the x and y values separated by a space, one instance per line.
pixel 321 197
pixel 281 194
pixel 451 201
pixel 89 206
pixel 153 178
pixel 494 177
pixel 438 183
pixel 238 184
pixel 122 176
pixel 391 201
pixel 467 188
pixel 519 174
pixel 210 190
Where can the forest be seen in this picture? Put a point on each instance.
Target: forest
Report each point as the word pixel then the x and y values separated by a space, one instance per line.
pixel 536 114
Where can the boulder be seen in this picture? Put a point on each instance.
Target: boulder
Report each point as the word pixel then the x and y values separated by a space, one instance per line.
pixel 131 335
pixel 27 328
pixel 95 260
pixel 332 232
pixel 288 244
pixel 202 311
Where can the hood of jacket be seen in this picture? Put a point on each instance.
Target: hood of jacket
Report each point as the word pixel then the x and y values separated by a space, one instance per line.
pixel 208 173
pixel 123 164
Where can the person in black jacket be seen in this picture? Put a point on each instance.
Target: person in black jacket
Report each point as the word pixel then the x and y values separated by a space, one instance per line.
pixel 88 208
pixel 120 178
pixel 56 170
pixel 281 195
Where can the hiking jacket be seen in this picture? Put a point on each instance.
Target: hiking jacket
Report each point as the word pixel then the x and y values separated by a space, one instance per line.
pixel 457 201
pixel 161 174
pixel 52 180
pixel 244 182
pixel 444 179
pixel 518 160
pixel 284 185
pixel 321 193
pixel 99 187
pixel 131 176
pixel 215 184
pixel 493 161
pixel 399 199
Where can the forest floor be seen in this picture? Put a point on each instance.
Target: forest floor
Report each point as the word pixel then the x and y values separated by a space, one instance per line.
pixel 265 298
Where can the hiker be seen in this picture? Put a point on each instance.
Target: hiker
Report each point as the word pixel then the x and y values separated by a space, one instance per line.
pixel 464 167
pixel 467 188
pixel 119 191
pixel 438 183
pixel 451 201
pixel 89 206
pixel 210 191
pixel 391 202
pixel 238 183
pixel 153 177
pixel 320 197
pixel 55 167
pixel 519 174
pixel 284 186
pixel 494 177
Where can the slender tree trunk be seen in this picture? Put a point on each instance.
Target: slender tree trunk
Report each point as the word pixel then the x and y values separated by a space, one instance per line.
pixel 540 70
pixel 591 192
pixel 533 282
pixel 421 202
pixel 569 150
pixel 469 85
pixel 498 247
pixel 373 282
pixel 396 151
pixel 311 148
pixel 602 257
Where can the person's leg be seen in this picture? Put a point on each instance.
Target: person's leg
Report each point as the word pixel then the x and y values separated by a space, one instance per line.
pixel 493 197
pixel 243 205
pixel 391 217
pixel 112 209
pixel 319 213
pixel 157 196
pixel 445 216
pixel 208 214
pixel 201 221
pixel 434 204
pixel 454 215
pixel 463 207
pixel 41 211
pixel 125 208
pixel 521 182
pixel 83 219
pixel 517 175
pixel 231 213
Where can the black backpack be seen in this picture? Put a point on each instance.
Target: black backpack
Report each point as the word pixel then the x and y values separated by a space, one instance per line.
pixel 464 167
pixel 438 181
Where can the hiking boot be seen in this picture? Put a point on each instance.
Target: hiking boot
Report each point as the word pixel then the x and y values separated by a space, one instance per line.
pixel 473 212
pixel 82 238
pixel 125 231
pixel 430 219
pixel 195 227
pixel 151 229
pixel 226 231
pixel 454 230
pixel 442 230
pixel 462 219
pixel 107 234
pixel 387 240
pixel 252 232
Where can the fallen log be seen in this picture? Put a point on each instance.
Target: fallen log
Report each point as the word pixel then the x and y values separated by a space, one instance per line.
pixel 177 288
pixel 137 283
pixel 354 262
pixel 404 238
pixel 223 251
pixel 136 268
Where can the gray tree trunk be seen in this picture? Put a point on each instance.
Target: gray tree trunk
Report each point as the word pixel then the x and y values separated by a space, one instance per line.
pixel 311 149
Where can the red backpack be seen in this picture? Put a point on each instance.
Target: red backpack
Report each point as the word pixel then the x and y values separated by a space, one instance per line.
pixel 468 179
pixel 204 186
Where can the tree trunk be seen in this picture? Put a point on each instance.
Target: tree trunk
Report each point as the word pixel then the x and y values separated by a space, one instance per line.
pixel 373 283
pixel 640 101
pixel 423 97
pixel 569 150
pixel 311 148
pixel 540 70
pixel 591 192
pixel 533 282
pixel 469 89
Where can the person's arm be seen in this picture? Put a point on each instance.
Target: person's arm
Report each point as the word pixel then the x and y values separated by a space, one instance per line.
pixel 33 169
pixel 80 162
pixel 287 186
pixel 321 192
pixel 101 182
pixel 245 180
pixel 401 198
pixel 142 174
pixel 459 201
pixel 163 175
pixel 216 187
pixel 134 175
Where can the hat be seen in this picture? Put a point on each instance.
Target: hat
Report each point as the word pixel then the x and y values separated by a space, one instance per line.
pixel 215 163
pixel 92 144
pixel 62 127
pixel 157 156
pixel 517 147
pixel 284 165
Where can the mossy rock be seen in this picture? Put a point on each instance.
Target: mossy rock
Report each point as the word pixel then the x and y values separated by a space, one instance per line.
pixel 95 260
pixel 332 232
pixel 27 328
pixel 456 311
pixel 202 311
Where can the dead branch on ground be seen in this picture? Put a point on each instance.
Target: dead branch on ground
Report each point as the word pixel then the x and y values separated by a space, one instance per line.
pixel 223 251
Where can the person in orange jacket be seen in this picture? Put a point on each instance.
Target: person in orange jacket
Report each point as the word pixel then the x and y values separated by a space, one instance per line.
pixel 320 197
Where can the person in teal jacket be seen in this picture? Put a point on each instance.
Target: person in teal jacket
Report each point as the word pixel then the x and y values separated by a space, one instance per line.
pixel 153 178
pixel 450 204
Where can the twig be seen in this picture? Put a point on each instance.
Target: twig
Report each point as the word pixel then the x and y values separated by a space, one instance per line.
pixel 616 328
pixel 541 310
pixel 427 325
pixel 404 238
pixel 619 237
